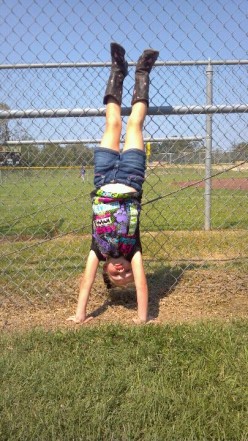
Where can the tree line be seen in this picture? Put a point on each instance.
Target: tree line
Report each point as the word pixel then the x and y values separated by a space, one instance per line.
pixel 55 154
pixel 51 154
pixel 181 151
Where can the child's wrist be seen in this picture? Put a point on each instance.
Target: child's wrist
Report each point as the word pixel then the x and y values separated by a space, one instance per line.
pixel 142 315
pixel 142 319
pixel 80 315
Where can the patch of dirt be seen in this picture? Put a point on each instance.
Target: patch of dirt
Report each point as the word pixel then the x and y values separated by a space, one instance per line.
pixel 223 184
pixel 189 296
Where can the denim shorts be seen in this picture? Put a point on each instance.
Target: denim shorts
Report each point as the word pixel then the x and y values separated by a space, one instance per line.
pixel 127 167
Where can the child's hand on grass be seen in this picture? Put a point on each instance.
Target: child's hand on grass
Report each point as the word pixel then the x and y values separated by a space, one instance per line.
pixel 79 320
pixel 139 321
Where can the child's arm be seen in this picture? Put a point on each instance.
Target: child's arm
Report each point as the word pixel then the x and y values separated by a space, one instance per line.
pixel 85 287
pixel 141 286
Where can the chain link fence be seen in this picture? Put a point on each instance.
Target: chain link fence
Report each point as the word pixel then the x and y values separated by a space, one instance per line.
pixel 54 64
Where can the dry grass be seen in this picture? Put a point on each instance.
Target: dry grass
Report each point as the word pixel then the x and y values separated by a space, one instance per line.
pixel 175 297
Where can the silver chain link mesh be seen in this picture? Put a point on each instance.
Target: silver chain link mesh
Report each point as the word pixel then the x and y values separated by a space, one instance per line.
pixel 54 63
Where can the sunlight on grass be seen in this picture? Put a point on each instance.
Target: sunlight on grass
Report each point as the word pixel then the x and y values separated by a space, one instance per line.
pixel 124 383
pixel 44 203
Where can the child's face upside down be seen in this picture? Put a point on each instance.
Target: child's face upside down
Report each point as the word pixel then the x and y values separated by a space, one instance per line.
pixel 119 271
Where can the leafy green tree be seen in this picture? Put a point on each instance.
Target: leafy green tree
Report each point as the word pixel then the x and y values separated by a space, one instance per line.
pixel 79 154
pixel 29 155
pixel 4 130
pixel 51 154
pixel 178 148
pixel 240 151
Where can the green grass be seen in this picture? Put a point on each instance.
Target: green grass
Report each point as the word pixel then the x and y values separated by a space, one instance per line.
pixel 152 383
pixel 30 267
pixel 43 203
pixel 39 205
pixel 184 209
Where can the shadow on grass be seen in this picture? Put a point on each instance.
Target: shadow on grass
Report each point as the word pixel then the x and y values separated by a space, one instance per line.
pixel 41 230
pixel 161 283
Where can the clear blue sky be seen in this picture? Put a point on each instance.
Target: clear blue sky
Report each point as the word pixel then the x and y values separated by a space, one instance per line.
pixel 77 30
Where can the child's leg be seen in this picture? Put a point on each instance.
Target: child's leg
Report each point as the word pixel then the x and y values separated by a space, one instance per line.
pixel 140 100
pixel 113 96
pixel 112 133
pixel 134 132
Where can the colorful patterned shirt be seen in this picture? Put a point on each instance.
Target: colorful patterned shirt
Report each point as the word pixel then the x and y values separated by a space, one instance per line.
pixel 115 224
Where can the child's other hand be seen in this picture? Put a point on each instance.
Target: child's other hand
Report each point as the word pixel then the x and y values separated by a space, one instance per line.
pixel 79 320
pixel 139 321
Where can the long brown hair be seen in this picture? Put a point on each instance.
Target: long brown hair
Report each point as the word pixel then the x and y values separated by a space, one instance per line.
pixel 106 278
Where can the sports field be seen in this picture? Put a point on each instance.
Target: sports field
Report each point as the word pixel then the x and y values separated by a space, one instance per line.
pixel 46 201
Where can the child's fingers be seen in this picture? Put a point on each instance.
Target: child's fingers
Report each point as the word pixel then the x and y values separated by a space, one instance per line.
pixel 74 319
pixel 71 319
pixel 138 321
pixel 88 319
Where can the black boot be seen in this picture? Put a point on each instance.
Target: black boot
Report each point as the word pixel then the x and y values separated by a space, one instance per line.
pixel 143 69
pixel 119 70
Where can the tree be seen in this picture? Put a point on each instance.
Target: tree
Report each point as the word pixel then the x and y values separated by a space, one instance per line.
pixel 29 155
pixel 4 130
pixel 240 151
pixel 52 154
pixel 177 150
pixel 78 154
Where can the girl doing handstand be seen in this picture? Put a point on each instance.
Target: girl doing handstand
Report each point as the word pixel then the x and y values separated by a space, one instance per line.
pixel 118 179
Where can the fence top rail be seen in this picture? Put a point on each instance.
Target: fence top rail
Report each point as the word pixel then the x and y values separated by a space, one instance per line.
pixel 131 63
pixel 125 111
pixel 95 141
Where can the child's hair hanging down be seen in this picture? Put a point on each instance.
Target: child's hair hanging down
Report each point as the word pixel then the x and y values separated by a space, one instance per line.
pixel 118 180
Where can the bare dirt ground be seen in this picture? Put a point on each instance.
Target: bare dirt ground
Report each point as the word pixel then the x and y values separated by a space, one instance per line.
pixel 223 183
pixel 194 295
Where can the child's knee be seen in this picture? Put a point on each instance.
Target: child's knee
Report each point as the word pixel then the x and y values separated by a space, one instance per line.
pixel 135 122
pixel 113 122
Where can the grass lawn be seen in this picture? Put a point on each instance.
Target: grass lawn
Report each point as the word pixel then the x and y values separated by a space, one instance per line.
pixel 41 203
pixel 29 267
pixel 113 382
pixel 148 383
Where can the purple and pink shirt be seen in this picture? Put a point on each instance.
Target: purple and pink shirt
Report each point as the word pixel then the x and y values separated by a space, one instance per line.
pixel 115 224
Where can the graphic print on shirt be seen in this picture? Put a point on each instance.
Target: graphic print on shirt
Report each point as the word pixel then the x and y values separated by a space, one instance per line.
pixel 115 221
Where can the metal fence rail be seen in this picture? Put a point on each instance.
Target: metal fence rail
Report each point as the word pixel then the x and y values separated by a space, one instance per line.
pixel 51 114
pixel 162 110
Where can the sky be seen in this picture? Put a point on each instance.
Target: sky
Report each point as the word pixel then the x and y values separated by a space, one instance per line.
pixel 81 31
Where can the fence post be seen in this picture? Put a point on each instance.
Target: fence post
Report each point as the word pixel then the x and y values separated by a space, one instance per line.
pixel 209 98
